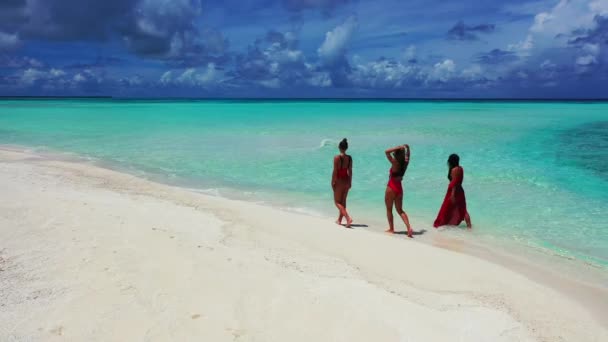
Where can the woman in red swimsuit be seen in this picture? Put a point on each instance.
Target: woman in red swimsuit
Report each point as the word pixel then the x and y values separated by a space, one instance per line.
pixel 399 157
pixel 454 207
pixel 341 181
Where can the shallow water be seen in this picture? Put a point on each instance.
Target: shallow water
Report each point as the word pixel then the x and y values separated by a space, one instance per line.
pixel 535 173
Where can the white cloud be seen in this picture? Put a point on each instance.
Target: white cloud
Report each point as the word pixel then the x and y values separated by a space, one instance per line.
pixel 410 52
pixel 56 73
pixel 166 78
pixel 86 75
pixel 8 41
pixel 134 80
pixel 275 52
pixel 31 76
pixel 78 78
pixel 271 83
pixel 337 40
pixel 382 74
pixel 188 76
pixel 547 70
pixel 473 73
pixel 592 49
pixel 193 77
pixel 591 52
pixel 442 71
pixel 20 62
pixel 560 21
pixel 540 20
pixel 320 79
pixel 523 46
pixel 586 60
pixel 547 64
pixel 563 18
pixel 600 7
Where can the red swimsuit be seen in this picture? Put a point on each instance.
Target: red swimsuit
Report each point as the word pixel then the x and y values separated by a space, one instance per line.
pixel 394 182
pixel 343 171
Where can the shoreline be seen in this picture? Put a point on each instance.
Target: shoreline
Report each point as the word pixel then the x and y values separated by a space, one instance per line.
pixel 249 219
pixel 593 273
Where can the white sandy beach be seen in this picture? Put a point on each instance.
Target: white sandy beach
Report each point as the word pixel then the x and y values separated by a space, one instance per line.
pixel 91 254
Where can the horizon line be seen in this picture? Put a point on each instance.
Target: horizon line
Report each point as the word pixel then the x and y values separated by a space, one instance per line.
pixel 396 99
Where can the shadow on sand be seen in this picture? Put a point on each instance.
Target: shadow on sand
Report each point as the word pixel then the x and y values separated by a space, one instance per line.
pixel 355 225
pixel 419 232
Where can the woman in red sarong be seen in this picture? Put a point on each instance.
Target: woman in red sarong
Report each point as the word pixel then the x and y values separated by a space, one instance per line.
pixel 454 208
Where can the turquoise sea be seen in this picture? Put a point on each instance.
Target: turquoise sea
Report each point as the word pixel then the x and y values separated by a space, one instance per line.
pixel 536 173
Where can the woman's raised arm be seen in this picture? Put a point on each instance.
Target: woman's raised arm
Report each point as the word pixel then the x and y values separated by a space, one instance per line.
pixel 391 150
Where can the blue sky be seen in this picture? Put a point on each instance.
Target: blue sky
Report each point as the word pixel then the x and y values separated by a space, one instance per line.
pixel 305 48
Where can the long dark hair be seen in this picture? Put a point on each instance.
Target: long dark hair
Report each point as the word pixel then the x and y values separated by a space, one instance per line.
pixel 343 145
pixel 400 157
pixel 453 161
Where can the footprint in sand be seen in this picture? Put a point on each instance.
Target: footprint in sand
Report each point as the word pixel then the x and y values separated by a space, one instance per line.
pixel 57 331
pixel 195 316
pixel 236 333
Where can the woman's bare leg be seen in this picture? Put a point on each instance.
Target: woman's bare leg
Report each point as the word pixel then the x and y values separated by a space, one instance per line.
pixel 349 220
pixel 338 196
pixel 406 220
pixel 389 198
pixel 336 202
pixel 467 219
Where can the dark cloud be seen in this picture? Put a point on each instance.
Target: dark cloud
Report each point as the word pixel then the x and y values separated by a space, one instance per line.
pixel 73 20
pixel 19 62
pixel 332 52
pixel 272 61
pixel 12 4
pixel 326 6
pixel 194 56
pixel 380 41
pixel 597 35
pixel 12 14
pixel 288 41
pixel 589 48
pixel 461 31
pixel 210 46
pixel 339 72
pixel 150 28
pixel 496 56
pixel 99 62
pixel 9 42
pixel 161 28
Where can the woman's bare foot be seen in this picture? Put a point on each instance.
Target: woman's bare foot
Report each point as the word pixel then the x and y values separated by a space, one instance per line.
pixel 390 231
pixel 339 222
pixel 349 221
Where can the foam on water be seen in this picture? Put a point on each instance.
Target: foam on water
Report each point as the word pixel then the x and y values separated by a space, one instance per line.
pixel 326 143
pixel 535 173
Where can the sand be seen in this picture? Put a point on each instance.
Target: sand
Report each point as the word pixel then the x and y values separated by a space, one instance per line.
pixel 91 254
